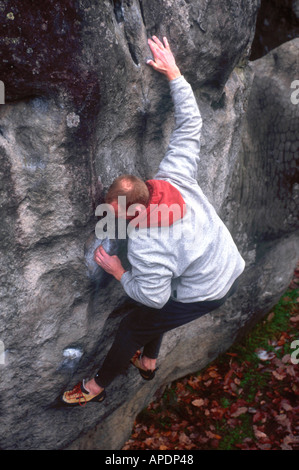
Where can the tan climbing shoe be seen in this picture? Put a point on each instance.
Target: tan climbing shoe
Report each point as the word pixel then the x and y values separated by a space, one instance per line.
pixel 80 396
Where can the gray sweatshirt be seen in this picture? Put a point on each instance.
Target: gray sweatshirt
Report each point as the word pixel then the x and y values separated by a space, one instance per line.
pixel 196 258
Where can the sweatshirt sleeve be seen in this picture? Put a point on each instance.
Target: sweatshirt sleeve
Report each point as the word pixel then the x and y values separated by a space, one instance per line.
pixel 148 282
pixel 182 156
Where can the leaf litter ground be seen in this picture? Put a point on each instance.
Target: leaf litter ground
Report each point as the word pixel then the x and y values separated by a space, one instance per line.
pixel 248 398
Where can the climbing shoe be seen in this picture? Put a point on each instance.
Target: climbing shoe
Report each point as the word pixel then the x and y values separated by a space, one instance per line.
pixel 80 396
pixel 145 374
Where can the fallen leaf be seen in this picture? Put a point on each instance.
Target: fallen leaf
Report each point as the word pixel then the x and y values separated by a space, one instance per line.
pixel 148 441
pixel 277 375
pixel 239 412
pixel 233 387
pixel 286 405
pixel 282 419
pixel 251 410
pixel 259 416
pixel 291 371
pixel 282 339
pixel 213 374
pixel 184 439
pixel 270 316
pixel 264 446
pixel 286 358
pixel 211 435
pixel 295 319
pixel 228 376
pixel 259 434
pixel 198 402
pixel 264 355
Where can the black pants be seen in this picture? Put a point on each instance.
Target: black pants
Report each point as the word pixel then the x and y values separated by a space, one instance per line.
pixel 144 327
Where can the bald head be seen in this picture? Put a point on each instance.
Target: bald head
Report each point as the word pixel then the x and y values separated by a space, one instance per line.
pixel 133 188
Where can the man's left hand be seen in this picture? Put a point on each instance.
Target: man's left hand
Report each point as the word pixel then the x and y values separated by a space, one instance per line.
pixel 110 264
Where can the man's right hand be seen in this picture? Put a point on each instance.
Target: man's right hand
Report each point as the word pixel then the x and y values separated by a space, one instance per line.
pixel 164 61
pixel 110 264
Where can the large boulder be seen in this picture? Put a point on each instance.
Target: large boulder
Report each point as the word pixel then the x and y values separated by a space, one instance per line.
pixel 81 108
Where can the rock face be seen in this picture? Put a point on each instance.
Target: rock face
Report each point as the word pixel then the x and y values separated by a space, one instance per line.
pixel 82 108
pixel 277 22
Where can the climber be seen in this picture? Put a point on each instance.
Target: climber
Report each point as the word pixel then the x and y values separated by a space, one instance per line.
pixel 172 280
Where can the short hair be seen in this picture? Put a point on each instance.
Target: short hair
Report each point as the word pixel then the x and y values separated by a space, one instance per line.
pixel 135 190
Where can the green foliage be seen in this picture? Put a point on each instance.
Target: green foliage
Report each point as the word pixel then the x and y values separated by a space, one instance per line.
pixel 233 436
